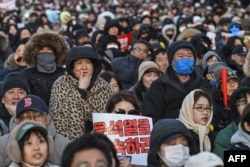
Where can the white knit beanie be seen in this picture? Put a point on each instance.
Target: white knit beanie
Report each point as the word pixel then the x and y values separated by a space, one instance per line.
pixel 145 66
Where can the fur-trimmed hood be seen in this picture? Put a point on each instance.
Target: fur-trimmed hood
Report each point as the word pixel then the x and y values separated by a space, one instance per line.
pixel 46 38
pixel 10 63
pixel 189 32
pixel 4 41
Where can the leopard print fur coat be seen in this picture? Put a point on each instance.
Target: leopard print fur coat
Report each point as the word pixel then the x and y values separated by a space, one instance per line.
pixel 70 111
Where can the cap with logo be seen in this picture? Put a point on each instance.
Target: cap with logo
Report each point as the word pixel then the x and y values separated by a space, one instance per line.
pixel 240 50
pixel 29 126
pixel 31 102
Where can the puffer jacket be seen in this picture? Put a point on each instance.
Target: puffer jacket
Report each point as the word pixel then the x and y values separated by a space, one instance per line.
pixel 126 69
pixel 165 95
pixel 60 143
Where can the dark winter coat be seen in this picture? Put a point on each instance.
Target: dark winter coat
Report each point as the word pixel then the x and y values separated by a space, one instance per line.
pixel 126 69
pixel 163 129
pixel 41 83
pixel 165 95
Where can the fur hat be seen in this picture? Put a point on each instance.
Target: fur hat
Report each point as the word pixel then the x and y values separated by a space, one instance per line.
pixel 178 45
pixel 46 38
pixel 187 33
pixel 204 159
pixel 144 66
pixel 14 80
pixel 10 64
pixel 13 148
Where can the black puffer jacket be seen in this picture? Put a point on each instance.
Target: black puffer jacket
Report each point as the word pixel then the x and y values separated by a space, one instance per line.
pixel 165 95
pixel 126 69
pixel 41 83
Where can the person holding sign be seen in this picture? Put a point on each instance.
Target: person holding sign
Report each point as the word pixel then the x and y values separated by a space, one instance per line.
pixel 170 144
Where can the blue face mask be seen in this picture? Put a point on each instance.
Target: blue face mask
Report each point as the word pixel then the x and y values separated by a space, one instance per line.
pixel 213 83
pixel 184 66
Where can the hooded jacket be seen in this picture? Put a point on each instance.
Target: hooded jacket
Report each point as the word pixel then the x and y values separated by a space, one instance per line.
pixel 71 107
pixel 163 129
pixel 222 140
pixel 4 128
pixel 60 143
pixel 41 83
pixel 167 38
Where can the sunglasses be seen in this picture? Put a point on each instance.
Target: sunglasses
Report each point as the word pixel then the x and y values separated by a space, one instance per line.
pixel 130 112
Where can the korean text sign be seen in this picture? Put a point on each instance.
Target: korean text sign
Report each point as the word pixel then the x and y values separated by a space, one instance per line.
pixel 129 133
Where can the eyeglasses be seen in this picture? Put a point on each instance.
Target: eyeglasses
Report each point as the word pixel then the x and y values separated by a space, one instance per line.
pixel 202 109
pixel 27 116
pixel 130 112
pixel 141 50
pixel 241 103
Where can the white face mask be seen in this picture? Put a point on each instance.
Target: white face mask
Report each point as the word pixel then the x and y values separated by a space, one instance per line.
pixel 175 156
pixel 181 29
pixel 11 109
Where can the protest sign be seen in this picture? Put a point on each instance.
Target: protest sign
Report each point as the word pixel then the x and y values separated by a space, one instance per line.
pixel 129 133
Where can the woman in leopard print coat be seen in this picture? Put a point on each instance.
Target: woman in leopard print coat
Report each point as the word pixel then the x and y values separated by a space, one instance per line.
pixel 79 93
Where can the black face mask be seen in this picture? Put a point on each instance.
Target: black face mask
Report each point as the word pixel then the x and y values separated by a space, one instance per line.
pixel 170 36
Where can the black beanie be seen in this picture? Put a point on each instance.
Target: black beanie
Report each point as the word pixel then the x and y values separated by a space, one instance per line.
pixel 14 80
pixel 178 45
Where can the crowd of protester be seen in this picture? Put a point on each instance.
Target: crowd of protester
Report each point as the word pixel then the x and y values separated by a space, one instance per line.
pixel 185 64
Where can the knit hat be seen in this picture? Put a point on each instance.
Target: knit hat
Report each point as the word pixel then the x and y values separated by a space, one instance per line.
pixel 179 45
pixel 81 33
pixel 204 159
pixel 14 80
pixel 31 102
pixel 207 56
pixel 145 66
pixel 240 50
pixel 81 52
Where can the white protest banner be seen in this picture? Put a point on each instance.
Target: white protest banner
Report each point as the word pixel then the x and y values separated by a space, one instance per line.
pixel 8 4
pixel 129 133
